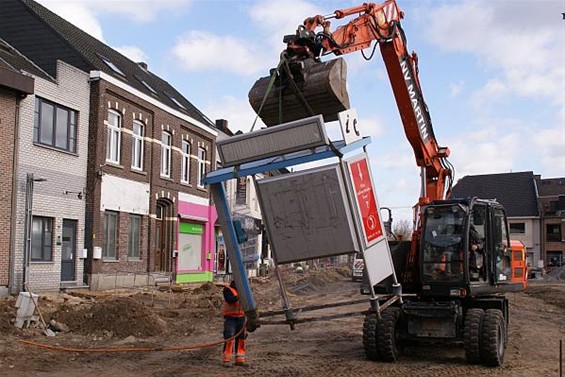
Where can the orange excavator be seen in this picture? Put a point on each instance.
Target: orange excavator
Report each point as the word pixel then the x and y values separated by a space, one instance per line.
pixel 460 261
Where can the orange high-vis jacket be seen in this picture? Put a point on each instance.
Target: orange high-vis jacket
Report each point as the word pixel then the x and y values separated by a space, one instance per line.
pixel 233 308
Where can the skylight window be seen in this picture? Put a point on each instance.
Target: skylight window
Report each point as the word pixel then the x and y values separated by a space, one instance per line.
pixel 146 85
pixel 175 101
pixel 112 66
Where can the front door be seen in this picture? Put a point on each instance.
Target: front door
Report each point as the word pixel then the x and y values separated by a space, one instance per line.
pixel 163 236
pixel 158 244
pixel 68 250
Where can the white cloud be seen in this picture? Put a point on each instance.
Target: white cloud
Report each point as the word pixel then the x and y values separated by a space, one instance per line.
pixel 78 13
pixel 85 14
pixel 140 10
pixel 201 50
pixel 513 38
pixel 206 51
pixel 551 145
pixel 456 88
pixel 133 53
pixel 494 91
pixel 279 18
pixel 485 153
pixel 237 111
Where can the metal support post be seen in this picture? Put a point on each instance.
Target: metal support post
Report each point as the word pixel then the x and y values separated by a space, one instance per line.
pixel 234 253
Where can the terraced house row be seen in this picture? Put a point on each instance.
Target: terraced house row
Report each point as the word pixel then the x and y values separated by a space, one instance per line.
pixel 101 163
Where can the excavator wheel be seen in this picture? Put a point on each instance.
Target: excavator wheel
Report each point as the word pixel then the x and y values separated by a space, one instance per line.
pixel 370 336
pixel 387 330
pixel 472 335
pixel 493 338
pixel 315 88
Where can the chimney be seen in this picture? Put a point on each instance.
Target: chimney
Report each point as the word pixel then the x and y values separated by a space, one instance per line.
pixel 222 125
pixel 142 65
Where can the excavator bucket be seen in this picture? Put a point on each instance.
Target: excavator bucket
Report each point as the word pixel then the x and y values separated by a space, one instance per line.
pixel 311 88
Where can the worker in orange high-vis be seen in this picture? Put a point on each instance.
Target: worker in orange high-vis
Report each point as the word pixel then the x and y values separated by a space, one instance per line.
pixel 234 323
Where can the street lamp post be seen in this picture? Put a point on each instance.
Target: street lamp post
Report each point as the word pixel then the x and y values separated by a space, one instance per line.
pixel 28 226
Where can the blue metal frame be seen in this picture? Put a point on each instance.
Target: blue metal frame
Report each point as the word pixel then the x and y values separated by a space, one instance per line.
pixel 217 177
pixel 336 149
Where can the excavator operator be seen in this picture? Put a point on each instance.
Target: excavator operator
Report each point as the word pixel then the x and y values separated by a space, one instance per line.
pixel 476 253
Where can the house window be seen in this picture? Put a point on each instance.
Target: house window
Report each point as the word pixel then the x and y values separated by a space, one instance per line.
pixel 114 137
pixel 134 236
pixel 553 232
pixel 201 166
pixel 185 162
pixel 517 228
pixel 55 125
pixel 137 146
pixel 166 141
pixel 110 234
pixel 42 239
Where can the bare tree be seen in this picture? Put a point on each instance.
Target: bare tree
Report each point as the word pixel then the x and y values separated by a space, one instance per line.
pixel 403 230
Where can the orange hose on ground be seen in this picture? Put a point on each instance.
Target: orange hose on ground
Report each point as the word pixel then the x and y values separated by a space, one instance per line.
pixel 148 349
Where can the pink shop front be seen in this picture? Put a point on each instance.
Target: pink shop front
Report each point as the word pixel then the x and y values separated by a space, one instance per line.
pixel 195 240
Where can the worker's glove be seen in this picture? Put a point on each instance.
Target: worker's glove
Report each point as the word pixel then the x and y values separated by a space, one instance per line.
pixel 252 323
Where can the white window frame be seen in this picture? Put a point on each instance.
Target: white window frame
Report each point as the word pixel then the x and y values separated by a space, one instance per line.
pixel 201 166
pixel 185 152
pixel 137 146
pixel 166 147
pixel 113 137
pixel 42 239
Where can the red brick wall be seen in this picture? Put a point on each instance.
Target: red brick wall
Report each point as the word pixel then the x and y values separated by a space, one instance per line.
pixel 7 129
pixel 105 96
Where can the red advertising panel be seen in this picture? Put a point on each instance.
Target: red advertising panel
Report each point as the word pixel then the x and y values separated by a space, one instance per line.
pixel 366 202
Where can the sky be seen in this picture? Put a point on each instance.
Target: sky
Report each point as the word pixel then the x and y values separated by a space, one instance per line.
pixel 492 73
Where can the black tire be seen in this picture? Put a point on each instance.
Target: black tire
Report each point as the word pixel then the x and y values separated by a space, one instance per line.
pixel 370 336
pixel 472 335
pixel 387 341
pixel 493 338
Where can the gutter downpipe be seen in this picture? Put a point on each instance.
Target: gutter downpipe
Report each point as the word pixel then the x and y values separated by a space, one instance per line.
pixel 14 204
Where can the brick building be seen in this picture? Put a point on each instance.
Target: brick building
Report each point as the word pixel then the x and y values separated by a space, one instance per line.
pixel 15 85
pixel 148 149
pixel 49 212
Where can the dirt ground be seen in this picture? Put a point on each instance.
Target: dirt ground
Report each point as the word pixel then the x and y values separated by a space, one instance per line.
pixel 179 333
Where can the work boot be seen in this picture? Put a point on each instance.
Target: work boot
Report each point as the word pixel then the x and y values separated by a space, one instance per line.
pixel 241 364
pixel 227 364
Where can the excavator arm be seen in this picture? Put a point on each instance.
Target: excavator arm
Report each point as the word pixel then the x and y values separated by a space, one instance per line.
pixel 380 24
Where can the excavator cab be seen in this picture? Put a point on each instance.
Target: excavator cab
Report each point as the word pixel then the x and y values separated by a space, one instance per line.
pixel 443 244
pixel 465 249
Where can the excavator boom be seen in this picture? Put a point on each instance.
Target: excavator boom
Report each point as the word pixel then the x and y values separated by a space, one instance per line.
pixel 306 86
